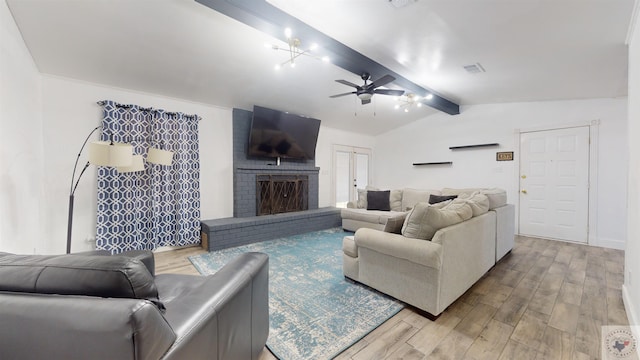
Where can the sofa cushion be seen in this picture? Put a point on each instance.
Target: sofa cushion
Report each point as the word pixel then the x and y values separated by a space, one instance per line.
pixel 434 199
pixel 370 216
pixel 410 197
pixel 478 201
pixel 425 220
pixel 103 276
pixel 395 200
pixel 378 200
pixel 497 197
pixel 362 199
pixel 394 224
pixel 361 203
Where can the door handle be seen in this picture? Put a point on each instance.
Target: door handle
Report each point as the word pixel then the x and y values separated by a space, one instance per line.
pixel 523 191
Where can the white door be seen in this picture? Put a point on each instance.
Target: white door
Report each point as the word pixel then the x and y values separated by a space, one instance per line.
pixel 554 184
pixel 351 172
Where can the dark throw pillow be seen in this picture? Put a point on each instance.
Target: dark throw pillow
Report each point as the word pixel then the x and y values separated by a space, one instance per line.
pixel 434 199
pixel 378 200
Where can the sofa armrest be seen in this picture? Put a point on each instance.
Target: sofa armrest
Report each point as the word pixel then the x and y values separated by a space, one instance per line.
pixel 468 252
pixel 419 251
pixel 37 326
pixel 221 316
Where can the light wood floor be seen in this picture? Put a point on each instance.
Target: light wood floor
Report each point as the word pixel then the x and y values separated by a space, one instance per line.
pixel 545 300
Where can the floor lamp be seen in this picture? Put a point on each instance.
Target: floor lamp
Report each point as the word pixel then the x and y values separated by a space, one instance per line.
pixel 101 153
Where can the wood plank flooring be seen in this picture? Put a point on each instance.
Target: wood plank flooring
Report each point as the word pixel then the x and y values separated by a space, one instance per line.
pixel 545 300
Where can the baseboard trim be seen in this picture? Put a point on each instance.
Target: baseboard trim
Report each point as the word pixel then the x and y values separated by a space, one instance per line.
pixel 632 313
pixel 610 243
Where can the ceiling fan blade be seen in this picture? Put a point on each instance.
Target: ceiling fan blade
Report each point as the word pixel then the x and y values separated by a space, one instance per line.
pixel 389 92
pixel 382 81
pixel 345 82
pixel 338 95
pixel 364 102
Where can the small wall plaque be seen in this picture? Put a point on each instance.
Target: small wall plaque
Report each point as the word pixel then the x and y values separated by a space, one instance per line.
pixel 504 156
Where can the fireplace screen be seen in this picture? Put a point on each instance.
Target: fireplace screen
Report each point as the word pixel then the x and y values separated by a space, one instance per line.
pixel 281 193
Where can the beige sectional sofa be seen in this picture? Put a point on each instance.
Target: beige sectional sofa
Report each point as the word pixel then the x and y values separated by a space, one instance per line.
pixel 431 255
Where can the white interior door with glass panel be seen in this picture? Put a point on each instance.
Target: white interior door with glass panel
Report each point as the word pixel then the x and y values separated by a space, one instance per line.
pixel 351 169
pixel 554 184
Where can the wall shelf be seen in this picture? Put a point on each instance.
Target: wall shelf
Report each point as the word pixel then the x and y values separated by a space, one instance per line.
pixel 472 146
pixel 434 163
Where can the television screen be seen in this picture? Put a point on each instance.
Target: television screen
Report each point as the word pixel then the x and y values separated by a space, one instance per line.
pixel 279 134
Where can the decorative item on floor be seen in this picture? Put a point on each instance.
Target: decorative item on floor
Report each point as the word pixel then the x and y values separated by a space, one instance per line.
pixel 294 50
pixel 101 153
pixel 315 312
pixel 159 206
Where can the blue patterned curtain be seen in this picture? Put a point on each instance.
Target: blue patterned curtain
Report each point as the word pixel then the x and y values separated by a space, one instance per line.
pixel 159 206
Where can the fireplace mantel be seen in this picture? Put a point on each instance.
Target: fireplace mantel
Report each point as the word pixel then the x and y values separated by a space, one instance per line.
pixel 274 168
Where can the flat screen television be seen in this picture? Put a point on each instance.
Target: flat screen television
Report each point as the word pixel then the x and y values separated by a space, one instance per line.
pixel 280 134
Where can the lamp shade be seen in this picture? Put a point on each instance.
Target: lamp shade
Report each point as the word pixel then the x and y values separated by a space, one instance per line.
pixel 160 157
pixel 136 165
pixel 103 153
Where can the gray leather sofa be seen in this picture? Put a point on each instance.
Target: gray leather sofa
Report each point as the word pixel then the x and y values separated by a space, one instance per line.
pixel 114 307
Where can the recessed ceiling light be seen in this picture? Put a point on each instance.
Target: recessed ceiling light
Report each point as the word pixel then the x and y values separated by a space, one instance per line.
pixel 429 96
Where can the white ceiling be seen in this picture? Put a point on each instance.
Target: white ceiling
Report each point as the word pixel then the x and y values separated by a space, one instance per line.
pixel 531 49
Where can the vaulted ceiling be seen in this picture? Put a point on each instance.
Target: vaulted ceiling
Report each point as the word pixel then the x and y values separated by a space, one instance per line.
pixel 530 51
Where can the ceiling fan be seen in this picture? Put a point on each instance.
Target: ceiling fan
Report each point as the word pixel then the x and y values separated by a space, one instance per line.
pixel 366 91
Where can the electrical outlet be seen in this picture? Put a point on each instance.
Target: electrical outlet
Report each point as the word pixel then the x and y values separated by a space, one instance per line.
pixel 90 239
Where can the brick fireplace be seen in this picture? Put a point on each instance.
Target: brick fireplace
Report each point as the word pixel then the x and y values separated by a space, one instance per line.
pixel 247 170
pixel 291 176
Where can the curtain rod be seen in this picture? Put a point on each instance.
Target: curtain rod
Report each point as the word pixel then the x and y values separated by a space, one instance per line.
pixel 149 109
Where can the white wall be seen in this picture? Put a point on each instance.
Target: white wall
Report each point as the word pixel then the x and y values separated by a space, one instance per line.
pixel 324 157
pixel 70 112
pixel 631 287
pixel 21 153
pixel 429 139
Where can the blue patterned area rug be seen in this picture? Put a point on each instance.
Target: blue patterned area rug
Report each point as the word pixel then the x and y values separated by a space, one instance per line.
pixel 314 312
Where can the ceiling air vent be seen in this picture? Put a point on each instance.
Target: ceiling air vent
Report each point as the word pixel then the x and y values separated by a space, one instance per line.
pixel 474 68
pixel 401 3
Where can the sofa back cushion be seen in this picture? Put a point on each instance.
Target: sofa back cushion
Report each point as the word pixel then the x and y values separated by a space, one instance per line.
pixel 434 199
pixel 395 200
pixel 425 220
pixel 478 201
pixel 103 276
pixel 410 197
pixel 378 200
pixel 361 203
pixel 497 197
